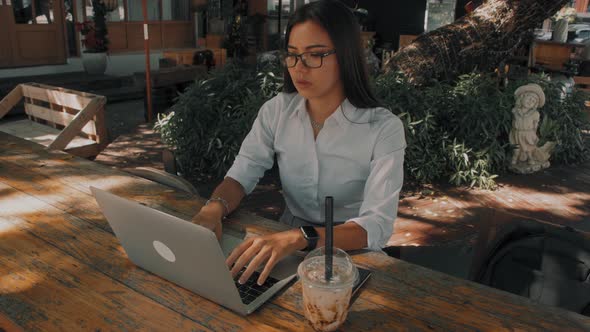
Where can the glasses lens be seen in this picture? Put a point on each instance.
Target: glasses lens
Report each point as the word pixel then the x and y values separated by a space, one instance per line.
pixel 289 60
pixel 312 60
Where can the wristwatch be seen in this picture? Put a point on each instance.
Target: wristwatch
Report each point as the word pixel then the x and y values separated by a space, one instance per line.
pixel 311 235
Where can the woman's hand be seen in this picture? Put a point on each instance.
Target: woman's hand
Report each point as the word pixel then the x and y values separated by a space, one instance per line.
pixel 211 219
pixel 268 250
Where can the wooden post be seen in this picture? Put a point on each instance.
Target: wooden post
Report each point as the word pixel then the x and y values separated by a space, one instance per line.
pixel 169 161
pixel 280 14
pixel 146 42
pixel 79 121
pixel 11 99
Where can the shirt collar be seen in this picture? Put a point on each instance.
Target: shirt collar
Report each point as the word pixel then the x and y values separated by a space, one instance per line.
pixel 352 113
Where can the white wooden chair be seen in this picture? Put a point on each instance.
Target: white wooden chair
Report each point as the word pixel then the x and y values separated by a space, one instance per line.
pixel 58 118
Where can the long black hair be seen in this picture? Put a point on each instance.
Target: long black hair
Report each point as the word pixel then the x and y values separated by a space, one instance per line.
pixel 344 31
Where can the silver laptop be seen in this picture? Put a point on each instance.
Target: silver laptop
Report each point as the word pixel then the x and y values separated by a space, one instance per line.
pixel 187 254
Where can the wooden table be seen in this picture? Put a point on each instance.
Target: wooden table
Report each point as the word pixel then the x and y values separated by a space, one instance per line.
pixel 61 267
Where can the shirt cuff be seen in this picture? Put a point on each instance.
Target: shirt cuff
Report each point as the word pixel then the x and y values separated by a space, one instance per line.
pixel 240 174
pixel 378 231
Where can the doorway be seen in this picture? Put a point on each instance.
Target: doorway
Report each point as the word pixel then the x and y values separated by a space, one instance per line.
pixel 32 33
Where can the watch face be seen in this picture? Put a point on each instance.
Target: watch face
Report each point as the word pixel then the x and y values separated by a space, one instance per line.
pixel 309 232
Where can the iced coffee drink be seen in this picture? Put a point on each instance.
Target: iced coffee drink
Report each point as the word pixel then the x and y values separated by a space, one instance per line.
pixel 325 302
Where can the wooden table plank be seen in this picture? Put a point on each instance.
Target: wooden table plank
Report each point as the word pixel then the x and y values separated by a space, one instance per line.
pixel 48 200
pixel 90 236
pixel 462 300
pixel 7 325
pixel 102 251
pixel 73 176
pixel 41 189
pixel 47 290
pixel 60 170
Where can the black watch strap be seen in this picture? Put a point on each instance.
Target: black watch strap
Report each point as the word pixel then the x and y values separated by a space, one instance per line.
pixel 311 235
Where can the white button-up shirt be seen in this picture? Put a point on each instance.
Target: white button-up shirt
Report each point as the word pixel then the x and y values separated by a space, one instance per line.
pixel 357 158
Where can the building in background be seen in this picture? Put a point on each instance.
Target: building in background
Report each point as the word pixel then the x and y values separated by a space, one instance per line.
pixel 39 36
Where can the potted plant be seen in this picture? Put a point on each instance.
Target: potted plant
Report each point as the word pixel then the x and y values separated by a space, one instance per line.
pixel 94 56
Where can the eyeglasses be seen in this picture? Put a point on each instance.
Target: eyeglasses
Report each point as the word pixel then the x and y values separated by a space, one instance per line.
pixel 309 59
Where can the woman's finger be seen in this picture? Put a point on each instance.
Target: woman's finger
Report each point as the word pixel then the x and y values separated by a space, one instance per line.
pixel 259 259
pixel 245 257
pixel 270 264
pixel 237 252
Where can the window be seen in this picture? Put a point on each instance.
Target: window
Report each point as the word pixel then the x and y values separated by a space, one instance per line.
pixel 439 13
pixel 118 13
pixel 174 10
pixel 135 12
pixel 277 21
pixel 33 11
pixel 157 10
pixel 277 25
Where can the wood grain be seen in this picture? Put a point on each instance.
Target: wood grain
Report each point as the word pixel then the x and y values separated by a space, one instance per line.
pixel 68 271
pixel 102 251
pixel 59 96
pixel 10 100
pixel 44 289
pixel 76 125
pixel 7 325
pixel 61 118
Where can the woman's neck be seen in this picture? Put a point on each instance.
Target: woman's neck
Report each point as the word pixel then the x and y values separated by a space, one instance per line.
pixel 321 108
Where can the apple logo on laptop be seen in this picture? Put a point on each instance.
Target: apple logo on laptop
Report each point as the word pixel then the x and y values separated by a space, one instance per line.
pixel 164 251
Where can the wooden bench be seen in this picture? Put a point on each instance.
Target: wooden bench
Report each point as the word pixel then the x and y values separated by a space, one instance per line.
pixel 583 83
pixel 60 119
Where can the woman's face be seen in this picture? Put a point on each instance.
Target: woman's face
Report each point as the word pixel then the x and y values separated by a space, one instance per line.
pixel 320 82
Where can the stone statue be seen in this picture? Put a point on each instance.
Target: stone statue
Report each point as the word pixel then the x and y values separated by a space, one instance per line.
pixel 528 157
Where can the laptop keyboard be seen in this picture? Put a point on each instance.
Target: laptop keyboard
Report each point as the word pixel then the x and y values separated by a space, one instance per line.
pixel 250 290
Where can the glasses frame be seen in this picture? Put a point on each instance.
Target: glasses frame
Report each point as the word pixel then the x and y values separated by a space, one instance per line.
pixel 301 57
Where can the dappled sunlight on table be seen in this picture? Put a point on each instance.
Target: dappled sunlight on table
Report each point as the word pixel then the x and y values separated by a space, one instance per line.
pixel 19 281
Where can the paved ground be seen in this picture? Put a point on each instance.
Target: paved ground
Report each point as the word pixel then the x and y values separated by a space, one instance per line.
pixel 123 117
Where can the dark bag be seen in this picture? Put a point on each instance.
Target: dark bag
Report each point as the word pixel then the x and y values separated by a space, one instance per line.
pixel 547 263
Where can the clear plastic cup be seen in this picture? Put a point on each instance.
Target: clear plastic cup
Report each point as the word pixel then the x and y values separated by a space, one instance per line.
pixel 326 303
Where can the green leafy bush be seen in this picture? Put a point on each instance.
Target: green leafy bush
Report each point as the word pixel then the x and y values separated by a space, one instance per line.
pixel 456 132
pixel 208 122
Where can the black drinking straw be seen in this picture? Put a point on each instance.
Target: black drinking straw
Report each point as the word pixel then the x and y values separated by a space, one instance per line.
pixel 329 236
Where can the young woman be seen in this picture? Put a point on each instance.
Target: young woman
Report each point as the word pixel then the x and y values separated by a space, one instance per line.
pixel 330 139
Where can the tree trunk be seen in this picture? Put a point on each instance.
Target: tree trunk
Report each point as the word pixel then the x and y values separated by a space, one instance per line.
pixel 480 40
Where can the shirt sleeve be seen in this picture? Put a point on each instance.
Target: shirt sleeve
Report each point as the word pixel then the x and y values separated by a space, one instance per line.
pixel 257 151
pixel 381 193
